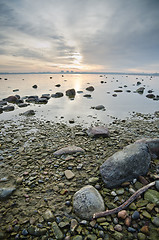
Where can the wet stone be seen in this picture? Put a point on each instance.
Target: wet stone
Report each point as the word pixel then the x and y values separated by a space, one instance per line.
pixel 135 215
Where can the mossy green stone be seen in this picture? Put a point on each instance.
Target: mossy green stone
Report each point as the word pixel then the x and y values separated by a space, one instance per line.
pixel 57 232
pixel 118 235
pixel 142 203
pixel 141 236
pixel 146 214
pixel 91 237
pixel 155 221
pixel 77 237
pixel 152 196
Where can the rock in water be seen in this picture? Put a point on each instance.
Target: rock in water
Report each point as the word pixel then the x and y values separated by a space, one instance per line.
pixel 6 192
pixel 98 131
pixel 68 150
pixel 125 165
pixel 87 201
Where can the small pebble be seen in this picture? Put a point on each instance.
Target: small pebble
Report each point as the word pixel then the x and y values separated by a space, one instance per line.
pixel 135 215
pixel 122 214
pixel 24 232
pixel 118 228
pixel 132 230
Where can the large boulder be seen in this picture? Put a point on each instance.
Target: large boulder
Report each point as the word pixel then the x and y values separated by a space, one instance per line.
pixel 125 165
pixel 87 201
pixel 153 145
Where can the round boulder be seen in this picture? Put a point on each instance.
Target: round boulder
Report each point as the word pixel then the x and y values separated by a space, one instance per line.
pixel 87 201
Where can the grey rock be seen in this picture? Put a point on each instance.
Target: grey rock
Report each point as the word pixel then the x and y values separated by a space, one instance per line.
pixel 6 192
pixel 125 165
pixel 8 108
pixel 68 150
pixel 90 88
pixel 150 95
pixel 12 99
pixel 87 95
pixel 87 201
pixel 71 93
pixel 157 185
pixel 155 221
pixel 140 90
pixel 46 96
pixel 98 131
pixel 34 86
pixel 48 215
pixel 153 145
pixel 29 113
pixel 21 105
pixel 57 95
pixel 100 107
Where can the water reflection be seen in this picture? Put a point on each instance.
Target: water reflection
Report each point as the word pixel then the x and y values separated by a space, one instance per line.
pixel 116 93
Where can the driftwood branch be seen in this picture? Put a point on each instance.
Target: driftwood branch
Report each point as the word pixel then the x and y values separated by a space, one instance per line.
pixel 125 204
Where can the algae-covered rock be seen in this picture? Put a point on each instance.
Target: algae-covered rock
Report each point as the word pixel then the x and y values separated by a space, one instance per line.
pixel 152 196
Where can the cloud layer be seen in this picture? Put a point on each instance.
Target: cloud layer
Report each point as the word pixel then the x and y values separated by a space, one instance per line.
pixel 85 35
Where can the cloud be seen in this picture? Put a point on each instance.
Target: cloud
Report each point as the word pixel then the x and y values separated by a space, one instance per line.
pixel 116 35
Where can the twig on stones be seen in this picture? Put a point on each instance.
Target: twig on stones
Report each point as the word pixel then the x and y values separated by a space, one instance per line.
pixel 125 204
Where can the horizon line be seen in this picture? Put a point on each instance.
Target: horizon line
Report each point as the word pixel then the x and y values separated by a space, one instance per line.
pixel 72 72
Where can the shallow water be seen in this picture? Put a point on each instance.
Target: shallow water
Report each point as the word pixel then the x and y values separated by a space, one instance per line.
pixel 63 109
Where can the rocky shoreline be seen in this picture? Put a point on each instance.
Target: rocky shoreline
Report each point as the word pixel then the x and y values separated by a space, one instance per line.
pixel 41 206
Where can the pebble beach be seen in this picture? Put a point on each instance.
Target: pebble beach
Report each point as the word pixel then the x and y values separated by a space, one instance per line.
pixel 43 185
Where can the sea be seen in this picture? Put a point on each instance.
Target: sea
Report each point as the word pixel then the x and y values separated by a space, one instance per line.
pixel 115 92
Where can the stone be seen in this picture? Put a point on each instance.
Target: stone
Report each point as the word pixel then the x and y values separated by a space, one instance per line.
pixel 34 86
pixel 69 174
pixel 152 196
pixel 12 99
pixel 150 95
pixel 100 107
pixel 141 236
pixel 87 95
pixel 125 165
pixel 6 192
pixel 98 131
pixel 8 108
pixel 118 228
pixel 87 201
pixel 57 231
pixel 68 150
pixel 29 113
pixel 153 145
pixel 74 225
pixel 42 100
pixel 157 185
pixel 46 95
pixel 155 221
pixel 48 215
pixel 77 237
pixel 71 93
pixel 57 95
pixel 90 88
pixel 135 215
pixel 122 214
pixel 21 105
pixel 140 90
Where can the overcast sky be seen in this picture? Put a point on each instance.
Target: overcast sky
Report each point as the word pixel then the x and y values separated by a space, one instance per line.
pixel 79 35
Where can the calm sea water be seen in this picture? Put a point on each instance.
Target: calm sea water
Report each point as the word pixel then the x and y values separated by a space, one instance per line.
pixel 63 109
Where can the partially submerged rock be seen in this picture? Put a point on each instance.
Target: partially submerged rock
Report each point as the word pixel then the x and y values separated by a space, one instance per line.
pixel 98 131
pixel 29 113
pixel 87 201
pixel 125 165
pixel 68 150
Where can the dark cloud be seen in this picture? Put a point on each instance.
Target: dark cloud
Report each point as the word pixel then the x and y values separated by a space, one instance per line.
pixel 116 34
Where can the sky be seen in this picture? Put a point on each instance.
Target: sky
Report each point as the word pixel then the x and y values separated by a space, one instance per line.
pixel 79 35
